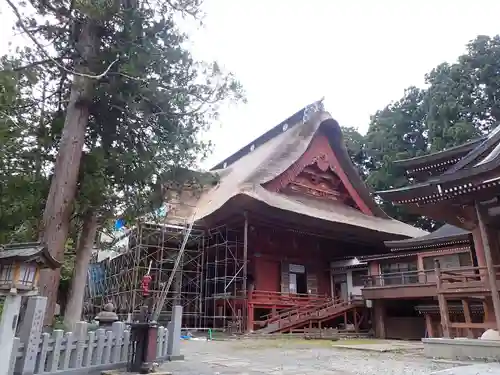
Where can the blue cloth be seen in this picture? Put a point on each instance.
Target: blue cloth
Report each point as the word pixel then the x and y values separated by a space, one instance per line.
pixel 120 223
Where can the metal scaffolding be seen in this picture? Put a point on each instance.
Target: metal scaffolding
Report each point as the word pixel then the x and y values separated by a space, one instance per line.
pixel 154 248
pixel 209 282
pixel 223 279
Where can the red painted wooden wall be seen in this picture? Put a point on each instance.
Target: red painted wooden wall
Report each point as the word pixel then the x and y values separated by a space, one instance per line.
pixel 268 248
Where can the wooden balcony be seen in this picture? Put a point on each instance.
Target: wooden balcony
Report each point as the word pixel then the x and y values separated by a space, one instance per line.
pixel 469 284
pixel 466 282
pixel 411 284
pixel 463 282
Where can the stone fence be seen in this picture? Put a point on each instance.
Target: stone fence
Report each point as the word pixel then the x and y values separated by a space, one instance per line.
pixel 81 351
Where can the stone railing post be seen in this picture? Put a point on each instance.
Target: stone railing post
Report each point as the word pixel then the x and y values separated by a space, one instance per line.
pixel 30 333
pixel 174 334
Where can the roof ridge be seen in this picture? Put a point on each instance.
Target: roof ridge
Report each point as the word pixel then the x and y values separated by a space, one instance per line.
pixel 492 139
pixel 298 117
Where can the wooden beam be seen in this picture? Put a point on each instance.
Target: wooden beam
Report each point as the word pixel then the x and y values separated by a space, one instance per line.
pixel 489 263
pixel 473 325
pixel 467 317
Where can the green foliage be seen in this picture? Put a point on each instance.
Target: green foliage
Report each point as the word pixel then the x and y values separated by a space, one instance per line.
pixel 23 187
pixel 356 147
pixel 145 117
pixel 459 104
pixel 149 102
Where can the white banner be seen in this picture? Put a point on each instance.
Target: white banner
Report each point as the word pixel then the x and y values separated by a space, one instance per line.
pixel 296 268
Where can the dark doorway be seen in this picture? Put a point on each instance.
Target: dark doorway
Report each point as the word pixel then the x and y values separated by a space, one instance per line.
pixel 301 283
pixel 340 290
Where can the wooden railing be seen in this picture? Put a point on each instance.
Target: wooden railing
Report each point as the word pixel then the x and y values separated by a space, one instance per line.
pixel 278 298
pixel 450 278
pixel 466 278
pixel 398 279
pixel 299 312
pixel 271 317
pixel 462 274
pixel 285 319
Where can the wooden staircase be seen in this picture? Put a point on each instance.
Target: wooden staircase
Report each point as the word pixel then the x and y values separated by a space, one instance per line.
pixel 317 313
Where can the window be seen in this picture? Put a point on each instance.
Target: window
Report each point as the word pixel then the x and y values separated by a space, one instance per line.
pixel 398 267
pixel 399 273
pixel 358 277
pixel 448 261
pixel 465 260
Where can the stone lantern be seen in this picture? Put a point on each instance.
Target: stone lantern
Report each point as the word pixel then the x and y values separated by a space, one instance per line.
pixel 20 266
pixel 107 316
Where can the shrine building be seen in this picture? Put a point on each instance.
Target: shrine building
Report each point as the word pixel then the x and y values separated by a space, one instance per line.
pixel 461 186
pixel 402 283
pixel 273 243
pixel 295 215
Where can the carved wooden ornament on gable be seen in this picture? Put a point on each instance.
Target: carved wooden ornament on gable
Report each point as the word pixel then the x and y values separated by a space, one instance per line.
pixel 314 175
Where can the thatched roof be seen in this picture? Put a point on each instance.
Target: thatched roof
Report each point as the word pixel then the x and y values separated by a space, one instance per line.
pixel 244 173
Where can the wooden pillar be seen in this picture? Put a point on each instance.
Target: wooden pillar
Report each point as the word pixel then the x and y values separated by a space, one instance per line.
pixel 479 251
pixel 467 317
pixel 355 319
pixel 489 310
pixel 250 316
pixel 489 264
pixel 443 304
pixel 379 318
pixel 249 307
pixel 428 325
pixel 245 254
pixel 420 267
pixel 274 311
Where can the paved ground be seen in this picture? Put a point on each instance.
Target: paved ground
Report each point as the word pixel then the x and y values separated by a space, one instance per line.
pixel 299 357
pixel 478 369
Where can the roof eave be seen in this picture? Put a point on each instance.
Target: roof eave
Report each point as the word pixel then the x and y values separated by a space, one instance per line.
pixel 52 262
pixel 401 193
pixel 411 244
pixel 440 155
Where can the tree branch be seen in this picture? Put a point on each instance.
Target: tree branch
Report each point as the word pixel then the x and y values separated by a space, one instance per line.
pixel 53 60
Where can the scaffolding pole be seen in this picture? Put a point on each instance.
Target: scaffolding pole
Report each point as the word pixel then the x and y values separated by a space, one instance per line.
pixel 223 297
pixel 160 246
pixel 211 272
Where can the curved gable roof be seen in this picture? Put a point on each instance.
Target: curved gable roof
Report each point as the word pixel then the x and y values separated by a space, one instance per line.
pixel 247 170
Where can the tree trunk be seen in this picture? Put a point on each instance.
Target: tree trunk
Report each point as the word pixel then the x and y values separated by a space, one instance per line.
pixel 62 192
pixel 86 240
pixel 40 136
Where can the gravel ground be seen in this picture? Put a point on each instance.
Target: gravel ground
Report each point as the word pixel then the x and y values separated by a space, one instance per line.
pixel 285 357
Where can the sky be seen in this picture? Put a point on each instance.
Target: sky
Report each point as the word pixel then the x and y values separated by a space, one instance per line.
pixel 358 54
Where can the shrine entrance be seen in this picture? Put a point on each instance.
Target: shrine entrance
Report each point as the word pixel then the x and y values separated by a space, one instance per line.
pixel 298 279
